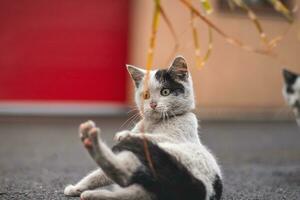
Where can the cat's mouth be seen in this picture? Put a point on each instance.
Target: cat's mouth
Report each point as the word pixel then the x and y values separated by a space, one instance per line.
pixel 156 112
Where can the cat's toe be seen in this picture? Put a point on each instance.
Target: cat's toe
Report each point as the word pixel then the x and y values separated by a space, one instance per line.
pixel 86 195
pixel 71 190
pixel 90 136
pixel 87 143
pixel 93 135
pixel 121 135
pixel 84 128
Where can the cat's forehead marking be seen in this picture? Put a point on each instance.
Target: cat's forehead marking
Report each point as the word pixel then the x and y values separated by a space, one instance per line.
pixel 290 78
pixel 163 75
pixel 167 80
pixel 289 89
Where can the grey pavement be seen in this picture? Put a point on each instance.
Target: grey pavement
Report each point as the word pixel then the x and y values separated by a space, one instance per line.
pixel 40 155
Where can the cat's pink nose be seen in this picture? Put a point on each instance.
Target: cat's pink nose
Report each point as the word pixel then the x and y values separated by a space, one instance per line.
pixel 153 105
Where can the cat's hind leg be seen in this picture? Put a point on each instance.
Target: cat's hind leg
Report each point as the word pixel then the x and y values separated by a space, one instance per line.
pixel 132 192
pixel 93 180
pixel 118 167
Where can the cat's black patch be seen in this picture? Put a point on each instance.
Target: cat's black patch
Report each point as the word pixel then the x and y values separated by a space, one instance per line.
pixel 218 188
pixel 290 89
pixel 289 77
pixel 168 81
pixel 172 180
pixel 297 105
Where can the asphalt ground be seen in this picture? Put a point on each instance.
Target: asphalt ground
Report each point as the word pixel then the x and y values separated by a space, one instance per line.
pixel 39 156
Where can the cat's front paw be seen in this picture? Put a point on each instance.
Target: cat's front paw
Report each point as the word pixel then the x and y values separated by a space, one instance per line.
pixel 84 133
pixel 122 135
pixel 71 190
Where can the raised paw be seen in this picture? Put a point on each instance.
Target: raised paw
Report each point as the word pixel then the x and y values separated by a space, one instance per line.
pixel 93 135
pixel 89 134
pixel 122 135
pixel 84 130
pixel 71 190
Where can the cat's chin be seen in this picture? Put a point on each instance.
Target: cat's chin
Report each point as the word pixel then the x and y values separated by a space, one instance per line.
pixel 153 115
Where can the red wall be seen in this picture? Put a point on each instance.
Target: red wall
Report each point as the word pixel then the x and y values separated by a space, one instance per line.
pixel 63 50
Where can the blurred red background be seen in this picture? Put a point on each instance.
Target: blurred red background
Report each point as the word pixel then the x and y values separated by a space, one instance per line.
pixel 63 50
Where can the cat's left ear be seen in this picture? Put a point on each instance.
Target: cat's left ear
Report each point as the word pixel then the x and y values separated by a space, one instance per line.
pixel 289 77
pixel 179 68
pixel 136 74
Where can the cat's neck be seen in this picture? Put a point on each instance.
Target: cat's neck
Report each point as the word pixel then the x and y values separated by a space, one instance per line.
pixel 163 118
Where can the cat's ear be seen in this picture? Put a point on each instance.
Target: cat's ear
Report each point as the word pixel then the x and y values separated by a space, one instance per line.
pixel 179 68
pixel 136 74
pixel 289 77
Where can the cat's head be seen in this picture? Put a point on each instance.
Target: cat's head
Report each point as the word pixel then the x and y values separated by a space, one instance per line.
pixel 169 91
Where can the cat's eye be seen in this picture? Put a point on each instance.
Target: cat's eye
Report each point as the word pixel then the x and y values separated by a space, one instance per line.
pixel 146 94
pixel 165 92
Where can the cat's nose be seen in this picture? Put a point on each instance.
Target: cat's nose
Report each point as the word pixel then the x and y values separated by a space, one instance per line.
pixel 153 105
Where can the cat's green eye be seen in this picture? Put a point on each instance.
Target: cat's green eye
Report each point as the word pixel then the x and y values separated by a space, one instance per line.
pixel 165 92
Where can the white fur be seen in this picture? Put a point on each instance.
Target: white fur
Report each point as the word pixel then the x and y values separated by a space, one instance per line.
pixel 177 135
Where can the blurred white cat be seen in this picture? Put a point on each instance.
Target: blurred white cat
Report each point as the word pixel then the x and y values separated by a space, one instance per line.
pixel 291 92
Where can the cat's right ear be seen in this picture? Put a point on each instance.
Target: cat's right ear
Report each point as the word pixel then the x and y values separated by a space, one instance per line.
pixel 179 68
pixel 289 77
pixel 136 74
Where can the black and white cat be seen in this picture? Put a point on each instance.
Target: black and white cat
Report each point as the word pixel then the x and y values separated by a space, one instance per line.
pixel 291 92
pixel 181 166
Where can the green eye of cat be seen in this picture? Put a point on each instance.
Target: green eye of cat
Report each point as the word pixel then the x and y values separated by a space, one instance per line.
pixel 165 92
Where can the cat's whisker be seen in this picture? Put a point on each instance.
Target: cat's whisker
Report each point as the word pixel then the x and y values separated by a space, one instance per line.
pixel 168 118
pixel 163 117
pixel 135 118
pixel 129 120
pixel 167 115
pixel 133 106
pixel 173 114
pixel 132 110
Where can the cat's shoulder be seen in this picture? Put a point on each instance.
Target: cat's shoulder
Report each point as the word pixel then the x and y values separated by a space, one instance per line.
pixel 190 115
